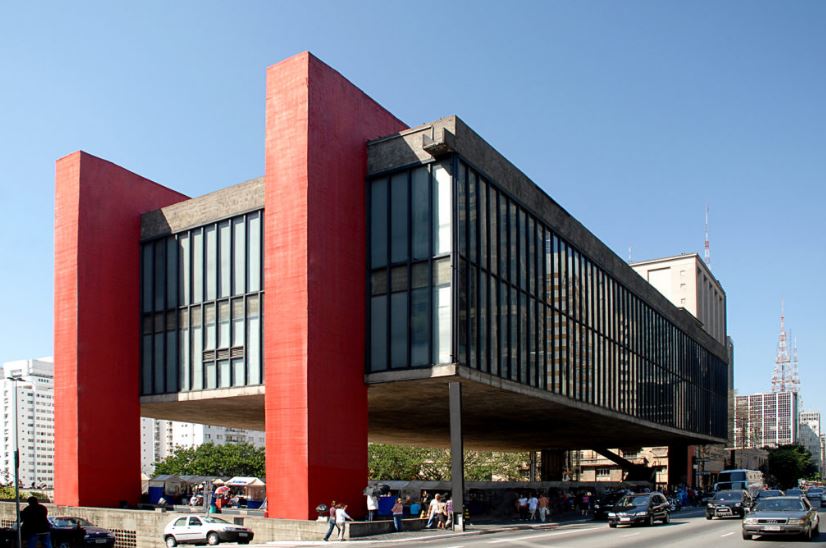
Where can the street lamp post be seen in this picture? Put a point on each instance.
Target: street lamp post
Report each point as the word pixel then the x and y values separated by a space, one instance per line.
pixel 15 379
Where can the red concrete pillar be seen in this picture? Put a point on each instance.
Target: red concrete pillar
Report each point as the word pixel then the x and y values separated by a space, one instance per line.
pixel 96 328
pixel 317 127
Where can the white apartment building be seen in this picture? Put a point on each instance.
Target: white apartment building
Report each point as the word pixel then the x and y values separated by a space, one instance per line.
pixel 766 420
pixel 160 438
pixel 686 281
pixel 35 422
pixel 810 435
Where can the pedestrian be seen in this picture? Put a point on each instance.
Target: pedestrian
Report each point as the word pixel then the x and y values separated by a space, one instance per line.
pixel 372 505
pixel 441 514
pixel 35 526
pixel 341 520
pixel 449 513
pixel 398 512
pixel 533 503
pixel 523 506
pixel 432 510
pixel 331 521
pixel 542 504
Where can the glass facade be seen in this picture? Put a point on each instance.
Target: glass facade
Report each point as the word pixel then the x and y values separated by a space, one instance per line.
pixel 201 307
pixel 462 273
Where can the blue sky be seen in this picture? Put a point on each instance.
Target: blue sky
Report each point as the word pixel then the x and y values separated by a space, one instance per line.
pixel 633 115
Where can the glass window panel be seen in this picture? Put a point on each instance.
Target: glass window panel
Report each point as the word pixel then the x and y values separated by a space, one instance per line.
pixel 171 272
pixel 523 249
pixel 420 213
pixel 398 330
pixel 223 324
pixel 378 223
pixel 421 275
pixel 442 210
pixel 211 241
pixel 398 279
pixel 209 325
pixel 253 349
pixel 254 251
pixel 513 242
pixel 197 265
pixel 146 365
pixel 504 331
pixel 514 334
pixel 398 217
pixel 523 340
pixel 493 215
pixel 473 216
pixel 158 365
pixel 146 277
pixel 211 375
pixel 378 333
pixel 494 324
pixel 483 223
pixel 442 324
pixel 197 350
pixel 483 319
pixel 420 326
pixel 172 360
pixel 441 272
pixel 159 273
pixel 462 333
pixel 503 237
pixel 238 322
pixel 224 248
pixel 473 342
pixel 224 374
pixel 238 372
pixel 184 345
pixel 378 282
pixel 239 259
pixel 461 208
pixel 183 269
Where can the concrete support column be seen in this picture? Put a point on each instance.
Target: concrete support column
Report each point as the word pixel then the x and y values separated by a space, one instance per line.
pixel 679 465
pixel 457 456
pixel 551 464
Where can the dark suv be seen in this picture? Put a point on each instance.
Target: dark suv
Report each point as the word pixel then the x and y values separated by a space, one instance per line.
pixel 728 504
pixel 640 508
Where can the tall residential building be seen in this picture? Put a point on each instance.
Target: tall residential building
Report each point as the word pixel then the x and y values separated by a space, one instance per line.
pixel 810 435
pixel 160 438
pixel 686 281
pixel 766 420
pixel 35 421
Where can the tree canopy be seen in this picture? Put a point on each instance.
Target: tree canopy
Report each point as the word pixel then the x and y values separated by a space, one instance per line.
pixel 789 463
pixel 395 462
pixel 232 459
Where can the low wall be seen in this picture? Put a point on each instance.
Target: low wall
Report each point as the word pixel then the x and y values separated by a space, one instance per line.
pixel 144 528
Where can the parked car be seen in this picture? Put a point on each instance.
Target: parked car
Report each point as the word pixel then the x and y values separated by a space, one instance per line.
pixel 794 492
pixel 640 508
pixel 204 530
pixel 69 531
pixel 729 503
pixel 782 516
pixel 815 496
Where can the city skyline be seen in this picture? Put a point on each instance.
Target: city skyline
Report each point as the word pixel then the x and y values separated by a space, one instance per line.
pixel 722 109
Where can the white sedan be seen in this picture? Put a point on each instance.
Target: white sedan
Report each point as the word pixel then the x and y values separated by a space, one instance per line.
pixel 204 529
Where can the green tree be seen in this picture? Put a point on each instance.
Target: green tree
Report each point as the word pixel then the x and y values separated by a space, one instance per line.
pixel 789 463
pixel 232 459
pixel 395 462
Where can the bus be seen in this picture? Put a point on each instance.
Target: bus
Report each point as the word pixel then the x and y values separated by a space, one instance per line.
pixel 749 480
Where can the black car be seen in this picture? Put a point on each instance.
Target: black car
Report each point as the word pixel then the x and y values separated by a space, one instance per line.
pixel 605 504
pixel 640 508
pixel 728 503
pixel 69 532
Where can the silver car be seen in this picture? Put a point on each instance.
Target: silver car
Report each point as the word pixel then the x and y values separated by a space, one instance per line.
pixel 782 516
pixel 815 496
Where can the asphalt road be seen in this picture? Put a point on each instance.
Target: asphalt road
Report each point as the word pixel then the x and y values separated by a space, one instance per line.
pixel 685 530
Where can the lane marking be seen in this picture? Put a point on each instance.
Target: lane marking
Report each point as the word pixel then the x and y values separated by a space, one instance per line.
pixel 529 537
pixel 727 534
pixel 630 535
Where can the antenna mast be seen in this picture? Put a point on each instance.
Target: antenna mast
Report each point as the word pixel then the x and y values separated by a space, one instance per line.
pixel 782 364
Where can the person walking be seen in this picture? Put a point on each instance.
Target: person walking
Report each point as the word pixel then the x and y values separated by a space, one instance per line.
pixel 341 520
pixel 543 503
pixel 449 513
pixel 433 510
pixel 533 503
pixel 372 506
pixel 398 512
pixel 331 521
pixel 35 526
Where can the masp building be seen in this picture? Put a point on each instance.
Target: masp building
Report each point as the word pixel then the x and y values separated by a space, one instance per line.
pixel 334 300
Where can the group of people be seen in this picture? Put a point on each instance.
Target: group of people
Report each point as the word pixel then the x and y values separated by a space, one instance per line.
pixel 397 510
pixel 440 512
pixel 337 520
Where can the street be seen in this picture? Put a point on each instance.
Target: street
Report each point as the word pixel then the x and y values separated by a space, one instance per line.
pixel 687 529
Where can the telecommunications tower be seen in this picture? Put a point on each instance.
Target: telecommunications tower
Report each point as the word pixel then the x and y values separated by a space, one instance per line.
pixel 785 377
